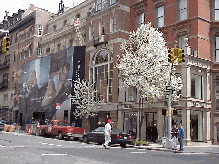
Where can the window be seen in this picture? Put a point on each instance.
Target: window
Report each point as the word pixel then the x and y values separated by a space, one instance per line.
pixel 91 29
pixel 21 55
pixel 11 40
pixel 160 16
pixel 131 94
pixel 39 51
pixel 14 56
pixel 31 30
pixel 98 5
pixel 5 78
pixel 30 50
pixel 217 49
pixel 25 54
pixel 182 41
pixel 65 22
pixel 16 38
pixel 12 79
pixel 182 9
pixel 112 2
pixel 217 93
pixel 40 29
pixel 217 10
pixel 113 24
pixel 196 86
pixel 66 115
pixel 141 19
pixel 6 99
pixel 101 74
pixel 101 28
pixel 54 28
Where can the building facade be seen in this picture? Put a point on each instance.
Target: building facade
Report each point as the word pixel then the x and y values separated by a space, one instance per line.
pixel 25 30
pixel 179 20
pixel 106 29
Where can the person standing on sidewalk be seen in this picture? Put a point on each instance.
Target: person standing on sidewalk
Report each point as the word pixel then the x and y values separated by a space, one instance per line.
pixel 174 133
pixel 107 134
pixel 181 136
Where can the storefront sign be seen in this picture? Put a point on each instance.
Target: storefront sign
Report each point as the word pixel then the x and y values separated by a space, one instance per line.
pixel 128 106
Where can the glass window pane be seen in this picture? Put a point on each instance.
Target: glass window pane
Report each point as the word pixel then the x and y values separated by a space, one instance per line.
pixel 160 11
pixel 161 22
pixel 216 4
pixel 217 15
pixel 217 95
pixel 217 42
pixel 183 14
pixel 182 4
pixel 217 56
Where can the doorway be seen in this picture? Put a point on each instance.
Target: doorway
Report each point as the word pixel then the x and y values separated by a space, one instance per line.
pixel 151 122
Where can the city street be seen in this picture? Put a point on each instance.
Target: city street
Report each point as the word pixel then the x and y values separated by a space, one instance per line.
pixel 23 149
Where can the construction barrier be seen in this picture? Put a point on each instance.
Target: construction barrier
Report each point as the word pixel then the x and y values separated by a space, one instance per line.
pixel 11 128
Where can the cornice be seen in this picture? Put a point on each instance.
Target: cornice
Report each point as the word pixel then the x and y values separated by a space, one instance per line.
pixel 71 11
pixel 139 4
pixel 49 37
pixel 199 62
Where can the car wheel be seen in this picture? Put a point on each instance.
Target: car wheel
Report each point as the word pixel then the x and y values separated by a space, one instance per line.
pixel 123 145
pixel 76 138
pixel 44 133
pixel 60 136
pixel 86 139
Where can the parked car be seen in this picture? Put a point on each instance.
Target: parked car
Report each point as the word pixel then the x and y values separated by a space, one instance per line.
pixel 60 128
pixel 1 126
pixel 117 136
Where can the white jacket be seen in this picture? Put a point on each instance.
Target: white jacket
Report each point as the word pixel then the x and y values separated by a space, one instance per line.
pixel 107 129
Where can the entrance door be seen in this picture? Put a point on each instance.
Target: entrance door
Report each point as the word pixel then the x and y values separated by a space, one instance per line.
pixel 151 122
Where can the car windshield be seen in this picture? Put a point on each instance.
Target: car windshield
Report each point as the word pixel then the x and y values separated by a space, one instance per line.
pixel 62 123
pixel 100 129
pixel 115 130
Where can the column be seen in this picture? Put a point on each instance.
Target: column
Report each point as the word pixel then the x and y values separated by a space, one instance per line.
pixel 208 129
pixel 120 118
pixel 160 123
pixel 200 126
pixel 143 128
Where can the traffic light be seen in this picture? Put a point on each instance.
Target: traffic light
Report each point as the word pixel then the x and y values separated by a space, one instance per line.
pixel 5 44
pixel 171 55
pixel 181 56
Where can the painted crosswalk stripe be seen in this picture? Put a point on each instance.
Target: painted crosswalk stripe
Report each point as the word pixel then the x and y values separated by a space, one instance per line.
pixel 52 154
pixel 137 152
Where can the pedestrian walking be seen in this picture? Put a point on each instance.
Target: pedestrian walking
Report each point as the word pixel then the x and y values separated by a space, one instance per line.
pixel 154 133
pixel 107 134
pixel 181 136
pixel 174 133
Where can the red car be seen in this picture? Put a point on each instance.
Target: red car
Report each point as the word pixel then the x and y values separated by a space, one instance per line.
pixel 61 128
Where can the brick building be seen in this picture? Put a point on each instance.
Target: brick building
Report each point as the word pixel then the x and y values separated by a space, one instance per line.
pixel 180 19
pixel 107 27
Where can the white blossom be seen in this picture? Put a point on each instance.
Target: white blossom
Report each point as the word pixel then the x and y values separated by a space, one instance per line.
pixel 84 98
pixel 144 64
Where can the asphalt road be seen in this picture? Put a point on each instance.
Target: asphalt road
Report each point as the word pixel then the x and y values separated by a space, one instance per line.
pixel 28 149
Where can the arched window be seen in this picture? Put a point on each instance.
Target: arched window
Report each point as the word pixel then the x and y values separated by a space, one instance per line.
pixel 101 75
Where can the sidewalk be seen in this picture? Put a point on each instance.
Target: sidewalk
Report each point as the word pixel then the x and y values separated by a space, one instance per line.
pixel 213 149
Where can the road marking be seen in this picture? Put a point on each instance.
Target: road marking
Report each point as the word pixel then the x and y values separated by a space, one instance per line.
pixel 51 144
pixel 45 143
pixel 137 152
pixel 59 145
pixel 52 154
pixel 191 153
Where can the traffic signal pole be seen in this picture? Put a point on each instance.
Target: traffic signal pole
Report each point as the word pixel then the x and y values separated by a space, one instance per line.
pixel 169 106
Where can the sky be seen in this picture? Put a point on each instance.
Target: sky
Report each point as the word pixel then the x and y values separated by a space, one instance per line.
pixel 14 5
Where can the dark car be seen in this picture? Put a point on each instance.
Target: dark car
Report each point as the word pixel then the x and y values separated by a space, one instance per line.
pixel 117 137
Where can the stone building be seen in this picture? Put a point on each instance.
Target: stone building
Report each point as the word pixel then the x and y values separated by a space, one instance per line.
pixel 25 31
pixel 66 31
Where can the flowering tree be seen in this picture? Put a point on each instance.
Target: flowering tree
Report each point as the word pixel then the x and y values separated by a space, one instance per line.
pixel 144 64
pixel 83 98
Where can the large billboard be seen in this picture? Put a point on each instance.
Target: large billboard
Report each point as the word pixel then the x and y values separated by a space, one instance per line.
pixel 47 82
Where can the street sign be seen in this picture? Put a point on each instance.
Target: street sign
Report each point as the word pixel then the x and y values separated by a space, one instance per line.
pixel 58 105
